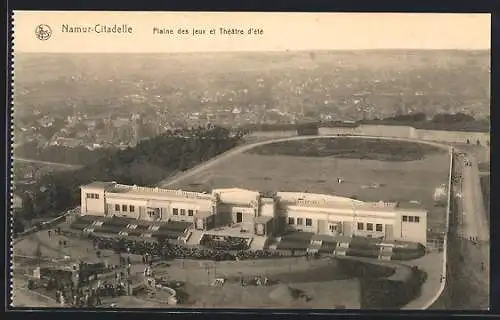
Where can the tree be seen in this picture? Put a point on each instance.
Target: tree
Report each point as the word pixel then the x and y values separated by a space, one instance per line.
pixel 28 210
pixel 452 118
pixel 18 224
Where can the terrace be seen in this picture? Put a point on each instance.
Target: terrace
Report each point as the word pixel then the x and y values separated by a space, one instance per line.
pixel 237 230
pixel 123 227
pixel 295 241
pixel 355 246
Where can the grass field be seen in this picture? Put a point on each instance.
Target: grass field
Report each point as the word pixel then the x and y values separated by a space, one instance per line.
pixel 350 148
pixel 394 180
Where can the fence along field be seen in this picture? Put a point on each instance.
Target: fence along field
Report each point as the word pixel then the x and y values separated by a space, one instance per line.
pixel 386 131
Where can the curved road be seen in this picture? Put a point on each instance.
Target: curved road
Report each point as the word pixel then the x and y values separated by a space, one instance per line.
pixel 470 281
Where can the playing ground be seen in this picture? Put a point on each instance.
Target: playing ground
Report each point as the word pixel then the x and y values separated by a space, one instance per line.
pixel 368 180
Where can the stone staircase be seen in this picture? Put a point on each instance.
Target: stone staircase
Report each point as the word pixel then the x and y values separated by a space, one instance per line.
pixel 258 243
pixel 385 253
pixel 341 248
pixel 195 237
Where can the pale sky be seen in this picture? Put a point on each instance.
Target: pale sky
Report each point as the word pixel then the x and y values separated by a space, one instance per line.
pixel 281 31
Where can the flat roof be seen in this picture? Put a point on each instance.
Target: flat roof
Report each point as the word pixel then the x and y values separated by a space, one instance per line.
pixel 148 192
pixel 409 205
pixel 367 206
pixel 98 184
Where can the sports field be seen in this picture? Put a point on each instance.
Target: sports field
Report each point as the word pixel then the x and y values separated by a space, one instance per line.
pixel 396 178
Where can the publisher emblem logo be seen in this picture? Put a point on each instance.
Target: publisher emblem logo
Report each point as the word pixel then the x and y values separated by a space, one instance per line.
pixel 43 32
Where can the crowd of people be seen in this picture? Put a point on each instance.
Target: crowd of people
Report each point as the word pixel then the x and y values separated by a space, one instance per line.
pixel 224 243
pixel 90 297
pixel 80 287
pixel 167 250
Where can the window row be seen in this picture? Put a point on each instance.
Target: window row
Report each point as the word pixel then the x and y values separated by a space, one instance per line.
pixel 411 219
pixel 124 208
pixel 369 226
pixel 92 196
pixel 176 211
pixel 300 221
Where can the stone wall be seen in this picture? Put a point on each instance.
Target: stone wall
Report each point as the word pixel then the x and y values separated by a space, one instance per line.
pixel 384 131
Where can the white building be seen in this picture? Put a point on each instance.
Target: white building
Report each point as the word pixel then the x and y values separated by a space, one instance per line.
pixel 260 215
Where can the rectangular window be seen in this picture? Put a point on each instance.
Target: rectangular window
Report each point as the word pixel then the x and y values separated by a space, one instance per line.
pixel 124 208
pixel 360 226
pixel 369 226
pixel 300 221
pixel 417 219
pixel 410 218
pixel 175 211
pixel 405 218
pixel 131 208
pixel 291 221
pixel 96 196
pixel 378 227
pixel 89 195
pixel 183 212
pixel 190 213
pixel 117 207
pixel 309 222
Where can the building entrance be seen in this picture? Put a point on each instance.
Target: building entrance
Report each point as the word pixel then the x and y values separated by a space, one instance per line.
pixel 239 217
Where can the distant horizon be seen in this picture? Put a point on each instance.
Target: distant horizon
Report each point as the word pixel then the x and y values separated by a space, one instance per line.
pixel 256 52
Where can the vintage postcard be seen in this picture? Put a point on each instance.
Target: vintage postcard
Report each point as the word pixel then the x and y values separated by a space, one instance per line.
pixel 250 160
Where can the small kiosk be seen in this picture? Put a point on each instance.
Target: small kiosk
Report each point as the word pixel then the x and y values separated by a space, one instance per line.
pixel 204 220
pixel 263 225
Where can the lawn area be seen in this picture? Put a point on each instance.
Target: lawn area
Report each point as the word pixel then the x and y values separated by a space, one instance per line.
pixel 413 180
pixel 350 148
pixel 367 180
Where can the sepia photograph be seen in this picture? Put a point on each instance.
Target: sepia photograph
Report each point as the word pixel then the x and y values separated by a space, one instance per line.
pixel 208 160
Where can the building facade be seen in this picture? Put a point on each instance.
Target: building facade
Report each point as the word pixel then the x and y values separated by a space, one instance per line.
pixel 258 214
